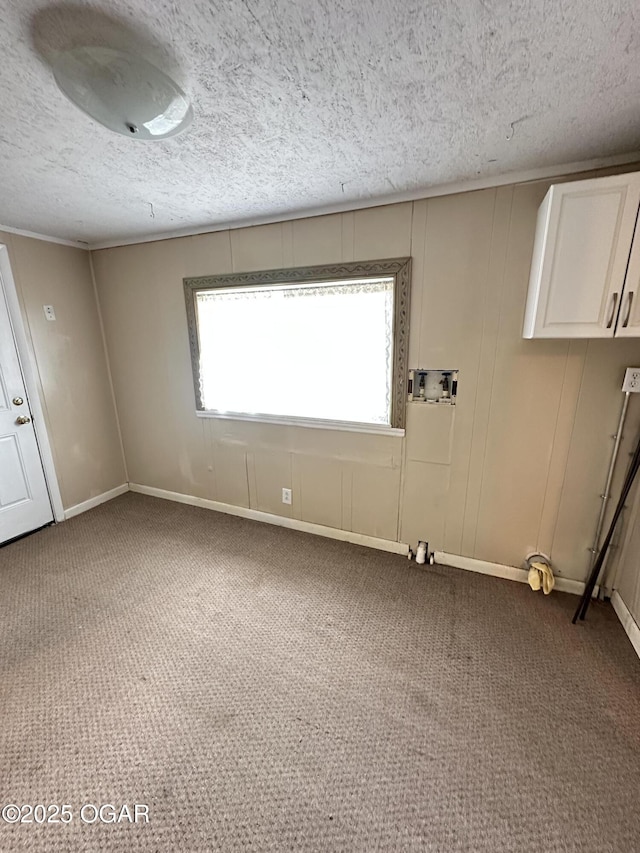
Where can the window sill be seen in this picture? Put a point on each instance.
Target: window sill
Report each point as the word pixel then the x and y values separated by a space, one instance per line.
pixel 311 423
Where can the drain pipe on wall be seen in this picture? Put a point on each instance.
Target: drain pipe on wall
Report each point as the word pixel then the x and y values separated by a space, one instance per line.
pixel 630 385
pixel 607 489
pixel 597 566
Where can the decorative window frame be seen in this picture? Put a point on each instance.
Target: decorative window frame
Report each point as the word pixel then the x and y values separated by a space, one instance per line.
pixel 397 268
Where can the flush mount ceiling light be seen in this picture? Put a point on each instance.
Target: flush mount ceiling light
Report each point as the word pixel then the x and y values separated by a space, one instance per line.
pixel 123 92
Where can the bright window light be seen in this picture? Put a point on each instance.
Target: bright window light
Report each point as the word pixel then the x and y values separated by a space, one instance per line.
pixel 319 350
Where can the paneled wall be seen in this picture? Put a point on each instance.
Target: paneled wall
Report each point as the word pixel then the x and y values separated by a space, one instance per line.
pixel 71 365
pixel 517 466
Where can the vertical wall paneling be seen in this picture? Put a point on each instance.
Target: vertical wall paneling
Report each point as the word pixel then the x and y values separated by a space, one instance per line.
pixel 418 243
pixel 382 232
pixel 589 452
pixel 522 462
pixel 258 248
pixel 348 236
pixel 288 253
pixel 571 382
pixel 189 448
pixel 482 392
pixel 272 467
pixel 525 396
pixel 318 241
pixel 375 495
pixel 347 496
pixel 319 490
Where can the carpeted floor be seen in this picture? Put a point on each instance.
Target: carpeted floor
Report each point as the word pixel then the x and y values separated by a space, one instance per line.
pixel 263 689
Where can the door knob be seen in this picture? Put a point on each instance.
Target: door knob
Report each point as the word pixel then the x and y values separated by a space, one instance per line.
pixel 23 419
pixel 17 401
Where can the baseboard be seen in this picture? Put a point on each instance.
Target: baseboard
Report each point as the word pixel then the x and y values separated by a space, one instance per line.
pixel 279 520
pixel 456 561
pixel 631 627
pixel 497 570
pixel 99 499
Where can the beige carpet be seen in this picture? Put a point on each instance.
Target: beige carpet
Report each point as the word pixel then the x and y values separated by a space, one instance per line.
pixel 262 689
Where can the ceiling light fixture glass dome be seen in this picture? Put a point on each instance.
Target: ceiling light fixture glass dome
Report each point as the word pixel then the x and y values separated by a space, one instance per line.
pixel 123 92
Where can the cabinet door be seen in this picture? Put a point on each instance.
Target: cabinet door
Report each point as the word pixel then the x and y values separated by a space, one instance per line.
pixel 629 317
pixel 582 246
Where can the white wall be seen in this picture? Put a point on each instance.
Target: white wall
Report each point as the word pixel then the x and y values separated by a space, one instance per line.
pixel 71 365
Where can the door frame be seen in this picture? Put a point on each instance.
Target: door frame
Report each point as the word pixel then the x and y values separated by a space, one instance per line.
pixel 28 366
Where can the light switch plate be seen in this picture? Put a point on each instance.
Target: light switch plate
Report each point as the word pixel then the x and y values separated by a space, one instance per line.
pixel 49 313
pixel 631 379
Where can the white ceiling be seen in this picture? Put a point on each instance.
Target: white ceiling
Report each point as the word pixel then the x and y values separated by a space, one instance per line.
pixel 301 105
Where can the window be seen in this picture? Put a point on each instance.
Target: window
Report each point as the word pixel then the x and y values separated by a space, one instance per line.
pixel 314 344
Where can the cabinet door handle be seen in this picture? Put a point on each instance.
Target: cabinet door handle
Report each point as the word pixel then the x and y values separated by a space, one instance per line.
pixel 613 310
pixel 626 319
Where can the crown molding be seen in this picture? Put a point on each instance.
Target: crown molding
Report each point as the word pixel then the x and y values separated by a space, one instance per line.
pixel 517 177
pixel 21 232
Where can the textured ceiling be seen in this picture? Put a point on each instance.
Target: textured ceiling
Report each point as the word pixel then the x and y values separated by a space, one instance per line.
pixel 304 104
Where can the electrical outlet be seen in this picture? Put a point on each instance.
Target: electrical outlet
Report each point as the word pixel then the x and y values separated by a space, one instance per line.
pixel 49 313
pixel 286 496
pixel 631 380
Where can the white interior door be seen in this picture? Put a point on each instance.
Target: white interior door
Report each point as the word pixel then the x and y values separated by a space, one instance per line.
pixel 24 499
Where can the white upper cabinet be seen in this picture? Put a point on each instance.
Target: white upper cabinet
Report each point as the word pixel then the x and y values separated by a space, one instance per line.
pixel 586 262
